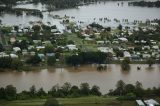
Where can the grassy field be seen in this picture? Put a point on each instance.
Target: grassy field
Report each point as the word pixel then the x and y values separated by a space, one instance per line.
pixel 82 44
pixel 85 101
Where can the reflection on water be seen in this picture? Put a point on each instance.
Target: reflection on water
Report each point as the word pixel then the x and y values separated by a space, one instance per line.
pixel 105 79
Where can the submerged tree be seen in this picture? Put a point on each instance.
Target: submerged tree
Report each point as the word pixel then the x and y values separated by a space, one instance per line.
pixel 125 64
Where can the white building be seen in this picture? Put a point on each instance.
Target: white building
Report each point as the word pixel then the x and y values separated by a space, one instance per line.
pixel 16 49
pixel 151 102
pixel 72 47
pixel 126 54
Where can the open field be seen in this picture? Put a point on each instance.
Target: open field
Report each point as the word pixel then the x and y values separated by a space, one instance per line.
pixel 86 101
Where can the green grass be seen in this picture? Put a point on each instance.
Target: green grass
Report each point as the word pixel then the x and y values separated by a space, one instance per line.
pixel 82 44
pixel 85 101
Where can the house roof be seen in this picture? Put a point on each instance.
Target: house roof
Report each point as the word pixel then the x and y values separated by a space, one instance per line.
pixel 140 103
pixel 151 101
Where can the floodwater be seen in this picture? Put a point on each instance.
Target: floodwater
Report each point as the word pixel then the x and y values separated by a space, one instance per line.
pixel 104 79
pixel 87 13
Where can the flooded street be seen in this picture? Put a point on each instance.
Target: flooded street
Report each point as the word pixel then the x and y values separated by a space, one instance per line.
pixel 104 79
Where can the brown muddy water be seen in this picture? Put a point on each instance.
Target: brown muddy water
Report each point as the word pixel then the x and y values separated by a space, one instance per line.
pixel 106 80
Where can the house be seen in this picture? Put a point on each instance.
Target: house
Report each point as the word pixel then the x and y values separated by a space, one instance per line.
pixel 123 39
pixel 115 42
pixel 16 49
pixel 46 42
pixel 151 102
pixel 105 49
pixel 140 103
pixel 32 53
pixel 100 42
pixel 36 41
pixel 50 54
pixel 136 41
pixel 2 54
pixel 41 56
pixel 12 40
pixel 13 56
pixel 126 54
pixel 145 47
pixel 155 47
pixel 135 57
pixel 88 39
pixel 85 35
pixel 146 55
pixel 30 47
pixel 72 47
pixel 54 30
pixel 24 52
pixel 154 24
pixel 143 41
pixel 40 47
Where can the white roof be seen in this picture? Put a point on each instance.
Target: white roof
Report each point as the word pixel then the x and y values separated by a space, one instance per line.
pixel 13 56
pixel 105 49
pixel 126 54
pixel 140 103
pixel 151 102
pixel 123 39
pixel 16 49
pixel 72 47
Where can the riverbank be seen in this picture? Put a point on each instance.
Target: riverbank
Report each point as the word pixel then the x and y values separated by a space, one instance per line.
pixel 86 101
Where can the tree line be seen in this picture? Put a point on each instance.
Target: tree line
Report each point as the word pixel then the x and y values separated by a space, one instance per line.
pixel 122 91
pixel 133 91
pixel 66 90
pixel 88 58
pixel 145 3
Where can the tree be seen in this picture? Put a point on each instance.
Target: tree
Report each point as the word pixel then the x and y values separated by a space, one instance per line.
pixel 51 102
pixel 34 60
pixel 36 28
pixel 129 88
pixel 49 48
pixel 120 27
pixel 33 91
pixel 75 91
pixel 66 88
pixel 95 91
pixel 84 89
pixel 1 48
pixel 10 92
pixel 120 87
pixel 138 85
pixel 74 60
pixel 150 61
pixel 125 64
pixel 53 91
pixel 41 93
pixel 16 28
pixel 5 62
pixel 51 60
pixel 16 64
pixel 139 89
pixel 2 93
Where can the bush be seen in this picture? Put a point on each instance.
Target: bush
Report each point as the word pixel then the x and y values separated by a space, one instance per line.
pixel 129 96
